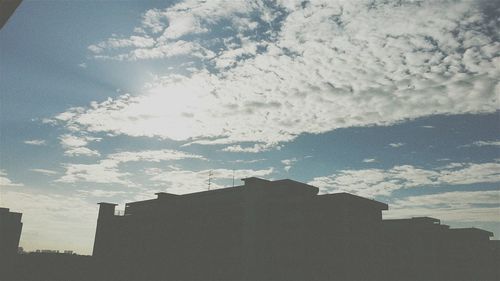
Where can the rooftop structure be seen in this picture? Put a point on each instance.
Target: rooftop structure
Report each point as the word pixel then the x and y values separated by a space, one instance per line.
pixel 281 230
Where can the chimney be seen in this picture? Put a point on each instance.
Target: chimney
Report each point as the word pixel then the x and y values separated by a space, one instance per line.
pixel 104 229
pixel 106 210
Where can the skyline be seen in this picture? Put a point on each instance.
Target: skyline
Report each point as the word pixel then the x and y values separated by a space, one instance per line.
pixel 115 101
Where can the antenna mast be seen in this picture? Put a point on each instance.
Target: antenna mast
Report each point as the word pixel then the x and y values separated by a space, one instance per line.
pixel 209 179
pixel 233 177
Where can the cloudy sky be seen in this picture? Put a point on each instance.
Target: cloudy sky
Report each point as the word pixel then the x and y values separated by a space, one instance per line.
pixel 116 100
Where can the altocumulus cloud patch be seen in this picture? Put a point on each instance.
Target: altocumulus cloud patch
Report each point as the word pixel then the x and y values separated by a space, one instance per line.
pixel 298 67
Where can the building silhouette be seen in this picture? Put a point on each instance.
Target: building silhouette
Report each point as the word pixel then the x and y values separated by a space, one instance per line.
pixel 423 247
pixel 7 8
pixel 282 230
pixel 10 232
pixel 263 230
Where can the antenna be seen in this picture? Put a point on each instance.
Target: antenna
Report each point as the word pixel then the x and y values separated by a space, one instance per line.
pixel 209 179
pixel 233 177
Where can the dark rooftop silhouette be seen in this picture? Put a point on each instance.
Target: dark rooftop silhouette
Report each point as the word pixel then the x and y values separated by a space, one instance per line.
pixel 270 230
pixel 7 8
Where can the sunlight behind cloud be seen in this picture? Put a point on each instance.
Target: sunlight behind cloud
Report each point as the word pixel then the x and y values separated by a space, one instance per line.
pixel 310 68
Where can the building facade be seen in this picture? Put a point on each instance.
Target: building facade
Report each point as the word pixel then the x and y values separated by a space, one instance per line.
pixel 274 230
pixel 10 232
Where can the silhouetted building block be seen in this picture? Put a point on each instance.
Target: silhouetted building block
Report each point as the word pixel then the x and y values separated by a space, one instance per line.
pixel 262 230
pixel 105 229
pixel 470 251
pixel 282 230
pixel 265 230
pixel 414 246
pixel 422 248
pixel 10 232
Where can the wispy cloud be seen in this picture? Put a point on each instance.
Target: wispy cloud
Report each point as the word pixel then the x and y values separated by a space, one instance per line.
pixel 163 32
pixel 152 156
pixel 35 142
pixel 75 145
pixel 107 171
pixel 101 193
pixel 44 171
pixel 185 181
pixel 5 181
pixel 369 160
pixel 76 151
pixel 375 182
pixel 258 147
pixel 248 161
pixel 396 144
pixel 288 163
pixel 455 206
pixel 482 143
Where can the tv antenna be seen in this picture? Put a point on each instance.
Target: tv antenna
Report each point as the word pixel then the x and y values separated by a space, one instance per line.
pixel 210 174
pixel 233 177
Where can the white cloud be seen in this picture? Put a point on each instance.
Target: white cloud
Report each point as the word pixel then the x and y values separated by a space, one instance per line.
pixel 35 142
pixel 101 193
pixel 321 66
pixel 248 161
pixel 288 163
pixel 185 181
pixel 44 171
pixel 256 148
pixel 115 43
pixel 166 50
pixel 181 24
pixel 75 146
pixel 451 199
pixel 5 181
pixel 396 144
pixel 74 141
pixel 455 206
pixel 161 32
pixel 82 65
pixel 152 155
pixel 107 170
pixel 375 182
pixel 471 173
pixel 482 143
pixel 369 160
pixel 76 151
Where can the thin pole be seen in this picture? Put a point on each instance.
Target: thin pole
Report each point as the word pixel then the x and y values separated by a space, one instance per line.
pixel 209 179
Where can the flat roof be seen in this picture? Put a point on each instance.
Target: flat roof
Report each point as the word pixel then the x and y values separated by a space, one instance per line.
pixel 473 230
pixel 349 196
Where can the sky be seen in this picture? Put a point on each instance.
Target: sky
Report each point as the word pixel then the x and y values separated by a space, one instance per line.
pixel 113 101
